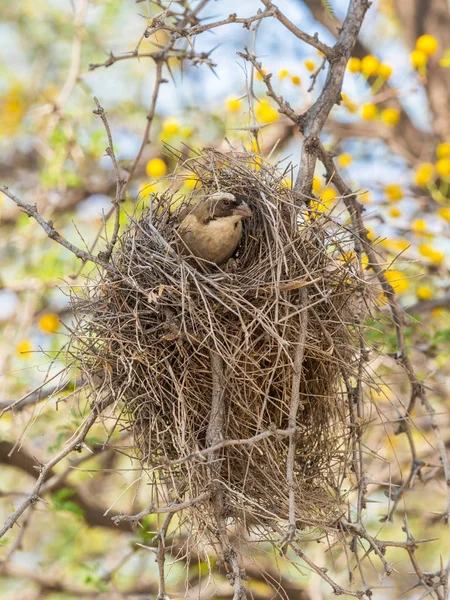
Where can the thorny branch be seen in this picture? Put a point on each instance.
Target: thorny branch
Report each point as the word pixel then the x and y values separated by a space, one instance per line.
pixel 73 445
pixel 214 436
pixel 295 406
pixel 310 125
pixel 120 182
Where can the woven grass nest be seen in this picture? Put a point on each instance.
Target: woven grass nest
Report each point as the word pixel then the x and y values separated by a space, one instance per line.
pixel 163 340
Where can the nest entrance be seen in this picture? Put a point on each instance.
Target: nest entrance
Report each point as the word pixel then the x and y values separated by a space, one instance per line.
pixel 232 378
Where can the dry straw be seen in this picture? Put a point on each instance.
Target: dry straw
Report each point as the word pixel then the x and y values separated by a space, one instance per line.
pixel 236 382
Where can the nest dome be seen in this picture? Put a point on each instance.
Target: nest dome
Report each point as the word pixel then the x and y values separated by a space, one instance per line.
pixel 237 377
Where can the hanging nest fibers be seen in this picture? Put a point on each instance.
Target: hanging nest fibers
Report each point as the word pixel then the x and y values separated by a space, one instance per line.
pixel 234 380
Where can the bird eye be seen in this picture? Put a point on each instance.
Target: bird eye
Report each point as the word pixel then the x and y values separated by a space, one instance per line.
pixel 226 202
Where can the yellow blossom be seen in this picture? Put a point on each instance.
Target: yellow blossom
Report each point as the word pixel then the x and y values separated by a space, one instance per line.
pixel 444 213
pixel 316 185
pixel 156 167
pixel 443 150
pixel 348 256
pixel 265 112
pixel 424 174
pixel 354 65
pixel 424 292
pixel 148 188
pixel 327 198
pixel 296 80
pixel 425 250
pixel 369 65
pixel 419 226
pixel 395 245
pixel 12 110
pixel 364 261
pixel 418 59
pixel 398 280
pixel 390 116
pixel 395 213
pixel 370 233
pixel 283 73
pixel 328 195
pixel 259 76
pixel 443 167
pixel 369 112
pixel 23 348
pixel 365 197
pixel 393 192
pixel 186 132
pixel 384 71
pixel 191 182
pixel 170 126
pixel 344 160
pixel 287 183
pixel 233 104
pixel 310 65
pixel 436 257
pixel 49 323
pixel 427 44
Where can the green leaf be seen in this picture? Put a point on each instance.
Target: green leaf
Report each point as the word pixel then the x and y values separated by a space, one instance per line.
pixel 63 494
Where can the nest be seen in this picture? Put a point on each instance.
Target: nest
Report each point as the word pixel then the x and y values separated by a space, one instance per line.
pixel 270 341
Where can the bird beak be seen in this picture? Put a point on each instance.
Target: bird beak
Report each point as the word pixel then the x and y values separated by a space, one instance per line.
pixel 243 210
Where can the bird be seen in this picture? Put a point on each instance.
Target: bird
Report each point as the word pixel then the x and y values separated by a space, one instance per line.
pixel 211 229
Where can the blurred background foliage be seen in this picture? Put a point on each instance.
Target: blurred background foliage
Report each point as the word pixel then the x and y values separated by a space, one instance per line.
pixel 391 135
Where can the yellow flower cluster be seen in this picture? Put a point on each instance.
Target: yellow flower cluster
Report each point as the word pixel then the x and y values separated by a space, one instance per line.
pixel 344 160
pixel 426 172
pixel 389 116
pixel 369 66
pixel 393 192
pixel 426 46
pixel 23 348
pixel 170 127
pixel 49 323
pixel 395 213
pixel 327 199
pixel 156 167
pixel 398 280
pixel 424 292
pixel 444 213
pixel 233 104
pixel 295 79
pixel 435 256
pixel 12 110
pixel 265 112
pixel 369 112
pixel 419 226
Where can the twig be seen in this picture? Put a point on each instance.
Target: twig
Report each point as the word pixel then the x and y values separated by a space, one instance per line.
pixel 73 445
pixel 120 182
pixel 161 510
pixel 160 556
pixel 312 40
pixel 214 436
pixel 227 443
pixel 47 226
pixel 295 406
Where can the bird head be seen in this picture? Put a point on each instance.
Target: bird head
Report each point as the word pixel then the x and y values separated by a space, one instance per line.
pixel 223 204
